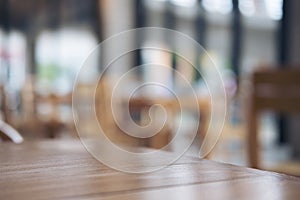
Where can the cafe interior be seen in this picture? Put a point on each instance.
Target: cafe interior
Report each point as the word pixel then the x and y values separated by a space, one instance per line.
pixel 254 46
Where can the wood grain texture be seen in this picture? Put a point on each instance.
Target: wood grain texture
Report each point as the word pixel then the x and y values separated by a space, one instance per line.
pixel 65 170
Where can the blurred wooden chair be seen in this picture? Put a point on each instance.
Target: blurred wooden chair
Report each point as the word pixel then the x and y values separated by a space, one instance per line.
pixel 52 120
pixel 276 90
pixel 3 104
pixel 139 108
pixel 136 107
pixel 42 113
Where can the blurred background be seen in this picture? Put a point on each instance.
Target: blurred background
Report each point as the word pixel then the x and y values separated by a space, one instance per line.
pixel 44 43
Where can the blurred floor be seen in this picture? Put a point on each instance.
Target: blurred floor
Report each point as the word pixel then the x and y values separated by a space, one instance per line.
pixel 232 145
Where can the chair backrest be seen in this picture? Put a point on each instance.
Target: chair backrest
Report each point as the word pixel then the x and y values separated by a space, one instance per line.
pixel 136 106
pixel 273 89
pixel 277 90
pixel 44 114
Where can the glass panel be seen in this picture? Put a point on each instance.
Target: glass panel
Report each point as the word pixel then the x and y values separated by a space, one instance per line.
pixel 271 9
pixel 185 3
pixel 260 27
pixel 219 6
pixel 59 55
pixel 17 60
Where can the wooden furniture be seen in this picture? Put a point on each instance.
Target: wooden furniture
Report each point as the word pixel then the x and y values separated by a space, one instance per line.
pixel 273 89
pixel 141 108
pixel 53 121
pixel 43 113
pixel 3 104
pixel 112 130
pixel 172 106
pixel 103 99
pixel 65 170
pixel 140 105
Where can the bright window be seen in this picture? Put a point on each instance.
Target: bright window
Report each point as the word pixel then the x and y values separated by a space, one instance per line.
pixel 219 6
pixel 271 9
pixel 59 56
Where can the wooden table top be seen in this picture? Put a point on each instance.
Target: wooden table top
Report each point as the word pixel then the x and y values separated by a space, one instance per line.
pixel 64 170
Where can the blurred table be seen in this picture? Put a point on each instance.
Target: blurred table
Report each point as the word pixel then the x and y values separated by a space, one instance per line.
pixel 64 170
pixel 173 106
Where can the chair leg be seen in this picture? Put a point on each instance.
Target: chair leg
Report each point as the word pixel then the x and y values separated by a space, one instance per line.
pixel 253 146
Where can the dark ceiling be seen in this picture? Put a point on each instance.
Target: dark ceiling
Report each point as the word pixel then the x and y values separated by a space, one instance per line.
pixel 32 15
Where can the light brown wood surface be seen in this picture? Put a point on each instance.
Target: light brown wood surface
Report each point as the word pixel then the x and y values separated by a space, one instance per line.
pixel 65 170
